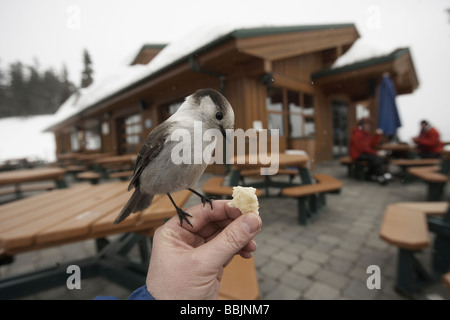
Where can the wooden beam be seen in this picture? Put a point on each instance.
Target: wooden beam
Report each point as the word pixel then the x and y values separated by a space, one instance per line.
pixel 278 46
pixel 292 83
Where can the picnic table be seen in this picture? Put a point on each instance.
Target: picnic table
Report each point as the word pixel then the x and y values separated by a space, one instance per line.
pixel 407 226
pixel 109 164
pixel 86 212
pixel 67 159
pixel 115 160
pixel 297 162
pixel 399 150
pixel 18 177
pixel 82 212
pixel 89 158
pixel 309 192
pixel 391 146
pixel 30 175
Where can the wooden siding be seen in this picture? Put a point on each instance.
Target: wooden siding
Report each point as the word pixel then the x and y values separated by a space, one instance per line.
pixel 281 46
pixel 289 58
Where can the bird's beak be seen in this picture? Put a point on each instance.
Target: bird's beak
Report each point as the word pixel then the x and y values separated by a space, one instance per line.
pixel 222 130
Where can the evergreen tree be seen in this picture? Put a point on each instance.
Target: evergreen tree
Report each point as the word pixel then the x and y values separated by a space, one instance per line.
pixel 86 75
pixel 35 100
pixel 3 96
pixel 17 88
pixel 31 92
pixel 68 88
pixel 53 90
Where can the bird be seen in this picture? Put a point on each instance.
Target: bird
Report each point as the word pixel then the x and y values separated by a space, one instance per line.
pixel 155 172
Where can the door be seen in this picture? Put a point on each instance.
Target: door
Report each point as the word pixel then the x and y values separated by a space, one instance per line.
pixel 340 128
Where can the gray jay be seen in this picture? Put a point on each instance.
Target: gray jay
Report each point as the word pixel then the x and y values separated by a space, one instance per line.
pixel 156 172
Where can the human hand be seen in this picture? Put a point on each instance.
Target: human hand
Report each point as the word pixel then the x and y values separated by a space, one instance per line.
pixel 187 262
pixel 379 131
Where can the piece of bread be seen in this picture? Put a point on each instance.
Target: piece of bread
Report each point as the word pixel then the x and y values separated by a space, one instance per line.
pixel 245 199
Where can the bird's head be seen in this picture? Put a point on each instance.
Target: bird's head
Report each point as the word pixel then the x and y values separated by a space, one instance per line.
pixel 212 108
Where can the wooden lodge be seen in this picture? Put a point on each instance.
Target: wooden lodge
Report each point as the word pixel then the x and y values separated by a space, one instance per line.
pixel 274 77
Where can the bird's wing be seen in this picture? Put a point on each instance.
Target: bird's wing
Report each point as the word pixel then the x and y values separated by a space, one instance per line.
pixel 151 148
pixel 147 154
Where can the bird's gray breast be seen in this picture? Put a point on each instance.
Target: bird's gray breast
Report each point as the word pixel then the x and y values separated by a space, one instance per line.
pixel 172 170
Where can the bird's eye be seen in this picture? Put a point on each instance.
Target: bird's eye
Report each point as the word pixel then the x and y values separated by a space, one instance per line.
pixel 219 116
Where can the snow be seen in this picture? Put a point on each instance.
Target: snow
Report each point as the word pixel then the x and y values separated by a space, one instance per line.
pixel 186 45
pixel 97 91
pixel 362 50
pixel 125 76
pixel 22 137
pixel 27 139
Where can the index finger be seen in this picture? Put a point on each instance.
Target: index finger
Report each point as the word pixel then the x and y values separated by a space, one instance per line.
pixel 202 215
pixel 206 221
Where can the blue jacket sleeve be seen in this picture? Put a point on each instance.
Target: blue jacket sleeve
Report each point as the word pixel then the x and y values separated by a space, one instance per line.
pixel 138 294
pixel 141 294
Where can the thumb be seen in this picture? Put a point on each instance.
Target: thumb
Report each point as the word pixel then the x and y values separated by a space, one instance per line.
pixel 232 239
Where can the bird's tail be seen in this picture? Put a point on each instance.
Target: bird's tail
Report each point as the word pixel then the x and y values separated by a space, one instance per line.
pixel 137 202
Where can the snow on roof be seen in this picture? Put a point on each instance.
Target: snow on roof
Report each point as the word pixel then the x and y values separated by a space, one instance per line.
pixel 97 91
pixel 362 50
pixel 128 75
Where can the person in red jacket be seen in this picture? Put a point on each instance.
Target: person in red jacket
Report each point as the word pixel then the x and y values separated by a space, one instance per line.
pixel 363 148
pixel 428 142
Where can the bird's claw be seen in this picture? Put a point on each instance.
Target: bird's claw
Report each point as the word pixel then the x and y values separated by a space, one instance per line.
pixel 205 199
pixel 183 216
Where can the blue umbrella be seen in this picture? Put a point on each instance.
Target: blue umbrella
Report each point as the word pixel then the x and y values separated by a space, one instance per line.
pixel 388 118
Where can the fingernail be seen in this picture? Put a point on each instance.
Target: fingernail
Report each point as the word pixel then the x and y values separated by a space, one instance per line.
pixel 250 222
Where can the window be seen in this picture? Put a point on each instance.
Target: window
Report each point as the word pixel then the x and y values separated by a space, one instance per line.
pixel 168 109
pixel 292 112
pixel 308 115
pixel 74 140
pixel 133 128
pixel 173 107
pixel 274 102
pixel 92 136
pixel 295 114
pixel 93 139
pixel 130 129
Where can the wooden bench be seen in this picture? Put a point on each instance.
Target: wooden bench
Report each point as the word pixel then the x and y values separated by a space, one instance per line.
pixel 214 187
pixel 407 226
pixel 404 164
pixel 20 178
pixel 19 189
pixel 311 197
pixel 435 180
pixel 74 169
pixel 91 176
pixel 108 165
pixel 239 280
pixel 257 173
pixel 355 169
pixel 122 175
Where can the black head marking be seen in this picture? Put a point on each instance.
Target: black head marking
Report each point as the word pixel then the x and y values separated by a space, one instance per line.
pixel 218 99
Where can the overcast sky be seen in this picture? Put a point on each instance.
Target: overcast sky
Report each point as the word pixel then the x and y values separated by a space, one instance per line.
pixel 56 31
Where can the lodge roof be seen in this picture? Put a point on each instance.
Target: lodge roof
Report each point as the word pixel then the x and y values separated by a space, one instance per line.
pixel 362 67
pixel 394 55
pixel 175 54
pixel 152 48
pixel 241 33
